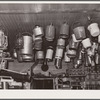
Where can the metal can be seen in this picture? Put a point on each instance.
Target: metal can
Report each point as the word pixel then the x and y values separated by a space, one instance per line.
pixel 27 44
pixel 38 43
pixel 64 30
pixel 79 32
pixel 61 42
pixel 49 53
pixel 86 43
pixel 50 33
pixel 39 55
pixel 94 29
pixel 38 31
pixel 59 53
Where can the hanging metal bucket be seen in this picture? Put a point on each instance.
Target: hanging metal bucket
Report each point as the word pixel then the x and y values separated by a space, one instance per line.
pixel 3 40
pixel 49 53
pixel 86 43
pixel 64 30
pixel 79 31
pixel 38 43
pixel 27 44
pixel 39 55
pixel 94 29
pixel 50 33
pixel 38 31
pixel 59 53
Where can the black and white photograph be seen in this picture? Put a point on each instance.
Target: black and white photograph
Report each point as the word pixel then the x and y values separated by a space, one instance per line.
pixel 49 46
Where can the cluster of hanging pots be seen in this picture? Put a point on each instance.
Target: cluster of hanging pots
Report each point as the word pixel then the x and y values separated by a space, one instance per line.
pixel 69 45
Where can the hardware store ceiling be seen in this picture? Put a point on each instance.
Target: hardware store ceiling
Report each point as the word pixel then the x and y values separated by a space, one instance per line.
pixel 23 17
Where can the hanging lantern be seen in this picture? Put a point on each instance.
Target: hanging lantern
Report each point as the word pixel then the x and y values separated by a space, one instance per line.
pixel 94 29
pixel 50 33
pixel 49 53
pixel 38 31
pixel 64 30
